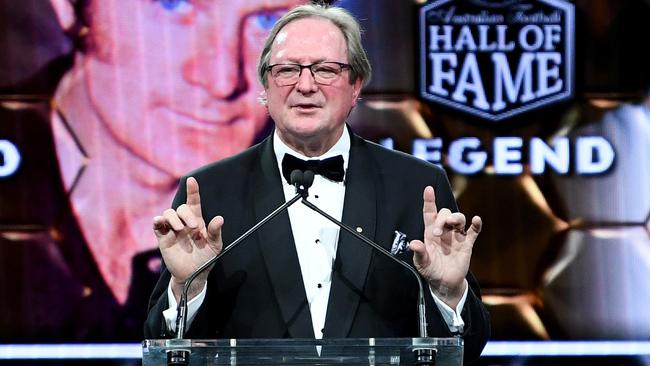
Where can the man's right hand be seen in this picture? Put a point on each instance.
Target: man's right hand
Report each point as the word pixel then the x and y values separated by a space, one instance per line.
pixel 185 242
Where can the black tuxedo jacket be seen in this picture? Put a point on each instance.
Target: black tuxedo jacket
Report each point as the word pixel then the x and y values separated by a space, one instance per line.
pixel 257 290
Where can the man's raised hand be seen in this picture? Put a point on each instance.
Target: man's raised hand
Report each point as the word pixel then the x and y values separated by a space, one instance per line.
pixel 184 240
pixel 444 256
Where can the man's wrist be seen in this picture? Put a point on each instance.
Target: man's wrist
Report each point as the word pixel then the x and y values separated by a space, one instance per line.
pixel 451 315
pixel 193 304
pixel 196 287
pixel 450 295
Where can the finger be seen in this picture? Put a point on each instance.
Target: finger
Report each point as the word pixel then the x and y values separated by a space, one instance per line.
pixel 429 197
pixel 173 220
pixel 456 221
pixel 420 255
pixel 186 214
pixel 193 199
pixel 429 209
pixel 214 230
pixel 160 225
pixel 475 228
pixel 440 224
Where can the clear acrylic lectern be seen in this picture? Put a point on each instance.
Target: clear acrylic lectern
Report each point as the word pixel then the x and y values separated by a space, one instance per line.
pixel 348 351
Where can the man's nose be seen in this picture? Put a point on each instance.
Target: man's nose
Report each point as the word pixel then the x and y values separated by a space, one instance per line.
pixel 215 64
pixel 306 83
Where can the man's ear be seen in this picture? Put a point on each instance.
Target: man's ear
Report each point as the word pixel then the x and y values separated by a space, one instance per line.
pixel 358 84
pixel 64 13
pixel 263 99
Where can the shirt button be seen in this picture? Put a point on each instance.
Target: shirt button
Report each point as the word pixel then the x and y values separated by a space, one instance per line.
pixel 319 285
pixel 317 241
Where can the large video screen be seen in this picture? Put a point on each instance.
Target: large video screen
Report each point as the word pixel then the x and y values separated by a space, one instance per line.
pixel 538 110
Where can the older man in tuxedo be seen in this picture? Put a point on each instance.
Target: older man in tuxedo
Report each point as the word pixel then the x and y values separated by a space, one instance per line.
pixel 299 276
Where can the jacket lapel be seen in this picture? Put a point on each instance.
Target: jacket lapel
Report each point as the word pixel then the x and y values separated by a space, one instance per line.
pixel 278 249
pixel 353 256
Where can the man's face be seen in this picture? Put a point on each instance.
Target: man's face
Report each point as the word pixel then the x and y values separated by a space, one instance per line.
pixel 307 111
pixel 174 80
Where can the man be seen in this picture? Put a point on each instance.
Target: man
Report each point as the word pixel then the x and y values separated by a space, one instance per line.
pixel 296 277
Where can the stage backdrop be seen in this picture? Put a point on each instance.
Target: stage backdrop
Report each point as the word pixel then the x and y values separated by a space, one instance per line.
pixel 537 109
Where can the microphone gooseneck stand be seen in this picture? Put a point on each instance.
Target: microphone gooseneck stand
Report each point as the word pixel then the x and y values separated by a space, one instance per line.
pixel 180 357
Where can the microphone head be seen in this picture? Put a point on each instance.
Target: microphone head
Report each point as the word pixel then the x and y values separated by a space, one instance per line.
pixel 308 178
pixel 296 177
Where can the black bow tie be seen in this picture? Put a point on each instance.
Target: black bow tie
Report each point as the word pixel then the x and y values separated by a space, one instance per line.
pixel 330 168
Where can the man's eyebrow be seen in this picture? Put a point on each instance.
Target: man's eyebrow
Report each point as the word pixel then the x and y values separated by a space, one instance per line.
pixel 292 60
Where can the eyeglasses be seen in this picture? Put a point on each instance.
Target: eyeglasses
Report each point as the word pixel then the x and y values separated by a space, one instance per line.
pixel 324 73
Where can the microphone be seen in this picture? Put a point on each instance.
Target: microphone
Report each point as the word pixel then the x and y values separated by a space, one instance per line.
pixel 423 356
pixel 302 182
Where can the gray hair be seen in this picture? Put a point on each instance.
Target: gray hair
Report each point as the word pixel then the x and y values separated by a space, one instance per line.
pixel 357 58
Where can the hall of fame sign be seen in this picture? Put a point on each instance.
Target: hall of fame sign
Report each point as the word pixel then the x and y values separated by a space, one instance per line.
pixel 496 59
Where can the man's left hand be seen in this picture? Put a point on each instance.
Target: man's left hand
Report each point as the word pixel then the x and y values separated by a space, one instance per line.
pixel 443 258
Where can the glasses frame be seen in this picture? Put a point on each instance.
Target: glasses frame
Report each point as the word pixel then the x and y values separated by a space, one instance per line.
pixel 343 67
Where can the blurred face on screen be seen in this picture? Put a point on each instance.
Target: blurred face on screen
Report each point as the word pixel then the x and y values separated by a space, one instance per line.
pixel 174 80
pixel 161 87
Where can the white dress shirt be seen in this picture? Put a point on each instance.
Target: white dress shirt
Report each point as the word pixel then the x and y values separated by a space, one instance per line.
pixel 316 241
pixel 316 237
